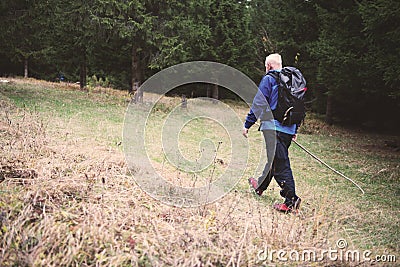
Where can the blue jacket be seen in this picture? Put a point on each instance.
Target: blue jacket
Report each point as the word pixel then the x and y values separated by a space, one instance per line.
pixel 265 100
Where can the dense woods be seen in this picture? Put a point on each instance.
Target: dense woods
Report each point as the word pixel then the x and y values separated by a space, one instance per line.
pixel 348 50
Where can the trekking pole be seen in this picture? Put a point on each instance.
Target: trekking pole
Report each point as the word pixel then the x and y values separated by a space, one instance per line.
pixel 329 167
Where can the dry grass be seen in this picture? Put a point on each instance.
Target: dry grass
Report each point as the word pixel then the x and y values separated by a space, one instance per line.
pixel 67 199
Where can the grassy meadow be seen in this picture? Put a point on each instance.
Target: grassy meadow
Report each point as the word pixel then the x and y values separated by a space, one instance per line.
pixel 67 197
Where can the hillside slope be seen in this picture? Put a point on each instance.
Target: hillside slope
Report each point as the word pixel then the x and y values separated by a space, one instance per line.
pixel 68 199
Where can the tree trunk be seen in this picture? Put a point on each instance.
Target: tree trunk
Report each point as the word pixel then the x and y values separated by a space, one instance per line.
pixel 83 70
pixel 329 110
pixel 26 68
pixel 208 94
pixel 184 101
pixel 215 92
pixel 133 69
pixel 136 77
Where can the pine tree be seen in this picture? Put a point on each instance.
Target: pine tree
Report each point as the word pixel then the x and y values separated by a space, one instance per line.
pixel 22 32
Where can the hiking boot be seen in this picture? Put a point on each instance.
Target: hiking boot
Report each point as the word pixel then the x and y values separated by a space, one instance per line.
pixel 296 205
pixel 254 184
pixel 284 208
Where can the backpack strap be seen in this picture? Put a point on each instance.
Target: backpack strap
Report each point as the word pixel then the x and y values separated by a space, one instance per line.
pixel 275 75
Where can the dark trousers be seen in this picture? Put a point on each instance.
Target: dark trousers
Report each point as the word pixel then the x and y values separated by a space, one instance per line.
pixel 278 165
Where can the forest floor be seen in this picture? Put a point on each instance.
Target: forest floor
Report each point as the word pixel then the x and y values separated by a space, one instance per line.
pixel 67 197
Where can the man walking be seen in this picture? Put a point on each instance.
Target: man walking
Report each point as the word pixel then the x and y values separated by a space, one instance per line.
pixel 277 137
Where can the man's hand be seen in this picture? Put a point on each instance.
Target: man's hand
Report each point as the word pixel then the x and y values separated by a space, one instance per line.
pixel 294 138
pixel 245 132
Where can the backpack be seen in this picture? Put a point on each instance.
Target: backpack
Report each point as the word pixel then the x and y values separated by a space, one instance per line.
pixel 290 108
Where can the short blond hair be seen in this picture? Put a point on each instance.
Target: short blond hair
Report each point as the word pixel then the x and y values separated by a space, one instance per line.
pixel 275 60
